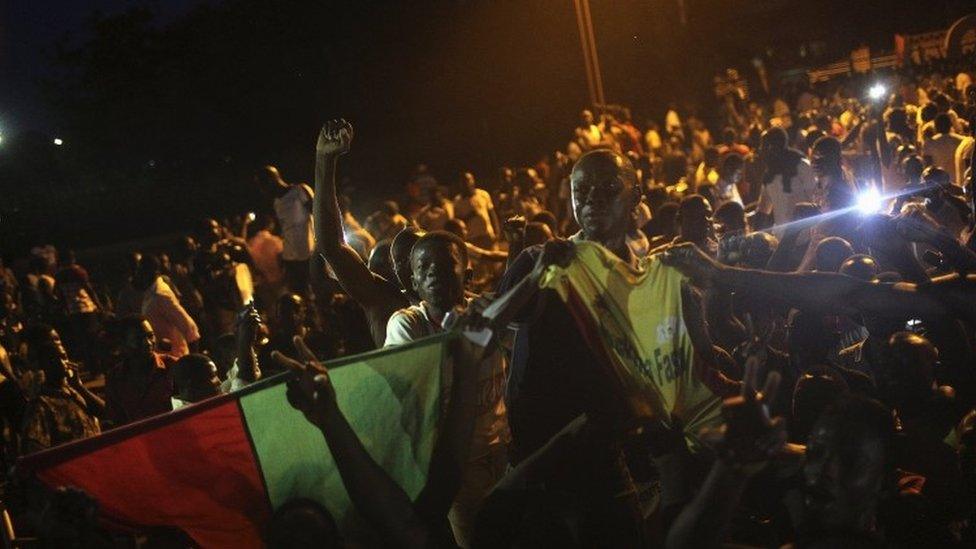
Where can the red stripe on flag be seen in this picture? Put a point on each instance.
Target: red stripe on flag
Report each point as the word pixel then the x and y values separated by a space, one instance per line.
pixel 199 474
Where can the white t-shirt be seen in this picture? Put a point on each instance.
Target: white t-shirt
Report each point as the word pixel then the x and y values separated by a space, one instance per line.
pixel 491 427
pixel 727 192
pixel 168 318
pixel 473 210
pixel 294 212
pixel 803 188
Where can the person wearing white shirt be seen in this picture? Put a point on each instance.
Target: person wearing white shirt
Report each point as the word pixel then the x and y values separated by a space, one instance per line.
pixel 293 208
pixel 169 320
pixel 729 174
pixel 439 260
pixel 941 147
pixel 788 178
pixel 475 208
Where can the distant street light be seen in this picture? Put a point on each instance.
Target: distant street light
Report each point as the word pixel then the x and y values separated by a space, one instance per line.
pixel 58 141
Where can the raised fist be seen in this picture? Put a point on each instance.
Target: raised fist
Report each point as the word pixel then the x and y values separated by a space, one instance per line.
pixel 514 229
pixel 335 137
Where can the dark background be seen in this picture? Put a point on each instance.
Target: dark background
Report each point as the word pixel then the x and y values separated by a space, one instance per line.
pixel 166 107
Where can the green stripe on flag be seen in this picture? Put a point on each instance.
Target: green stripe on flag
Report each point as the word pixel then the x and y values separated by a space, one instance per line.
pixel 392 400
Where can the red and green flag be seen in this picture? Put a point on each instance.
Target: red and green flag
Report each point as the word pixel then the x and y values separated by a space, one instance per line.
pixel 219 468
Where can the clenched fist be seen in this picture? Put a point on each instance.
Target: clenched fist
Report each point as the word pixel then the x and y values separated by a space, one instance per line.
pixel 335 137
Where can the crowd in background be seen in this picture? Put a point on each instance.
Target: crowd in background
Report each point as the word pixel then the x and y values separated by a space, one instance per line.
pixel 828 237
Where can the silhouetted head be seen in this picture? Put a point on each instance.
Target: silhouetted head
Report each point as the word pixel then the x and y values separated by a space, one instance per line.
pixel 860 266
pixel 848 465
pixel 907 380
pixel 831 252
pixel 208 232
pixel 380 260
pixel 147 273
pixel 400 249
pixel 694 218
pixel 811 396
pixel 826 156
pixel 731 218
pixel 268 180
pixel 137 336
pixel 774 139
pixel 195 378
pixel 302 523
pixel 45 352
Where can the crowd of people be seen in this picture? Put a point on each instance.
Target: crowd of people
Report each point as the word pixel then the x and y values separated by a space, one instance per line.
pixel 826 235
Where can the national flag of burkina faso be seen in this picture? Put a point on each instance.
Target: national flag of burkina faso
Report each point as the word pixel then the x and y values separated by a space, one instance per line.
pixel 218 469
pixel 633 320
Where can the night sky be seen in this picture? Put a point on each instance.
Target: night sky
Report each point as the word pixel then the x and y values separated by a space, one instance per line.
pixel 29 29
pixel 458 84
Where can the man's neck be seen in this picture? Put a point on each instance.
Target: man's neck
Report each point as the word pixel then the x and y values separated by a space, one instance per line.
pixel 617 245
pixel 436 314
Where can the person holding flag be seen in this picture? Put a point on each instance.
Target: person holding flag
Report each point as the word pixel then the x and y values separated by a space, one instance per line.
pixel 563 364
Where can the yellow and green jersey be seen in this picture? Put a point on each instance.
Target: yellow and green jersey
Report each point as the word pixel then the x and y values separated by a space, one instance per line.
pixel 632 319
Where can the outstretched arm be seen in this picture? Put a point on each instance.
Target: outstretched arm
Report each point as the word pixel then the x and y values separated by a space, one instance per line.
pixel 818 291
pixel 917 226
pixel 353 275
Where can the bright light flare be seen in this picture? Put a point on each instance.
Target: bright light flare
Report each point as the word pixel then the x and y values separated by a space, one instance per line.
pixel 877 91
pixel 869 201
pixel 58 141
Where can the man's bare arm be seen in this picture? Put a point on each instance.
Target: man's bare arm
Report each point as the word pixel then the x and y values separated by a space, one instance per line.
pixel 368 289
pixel 818 291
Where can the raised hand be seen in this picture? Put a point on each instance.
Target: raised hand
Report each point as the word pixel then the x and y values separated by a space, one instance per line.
pixel 311 391
pixel 750 436
pixel 248 325
pixel 514 229
pixel 335 137
pixel 555 252
pixel 691 261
